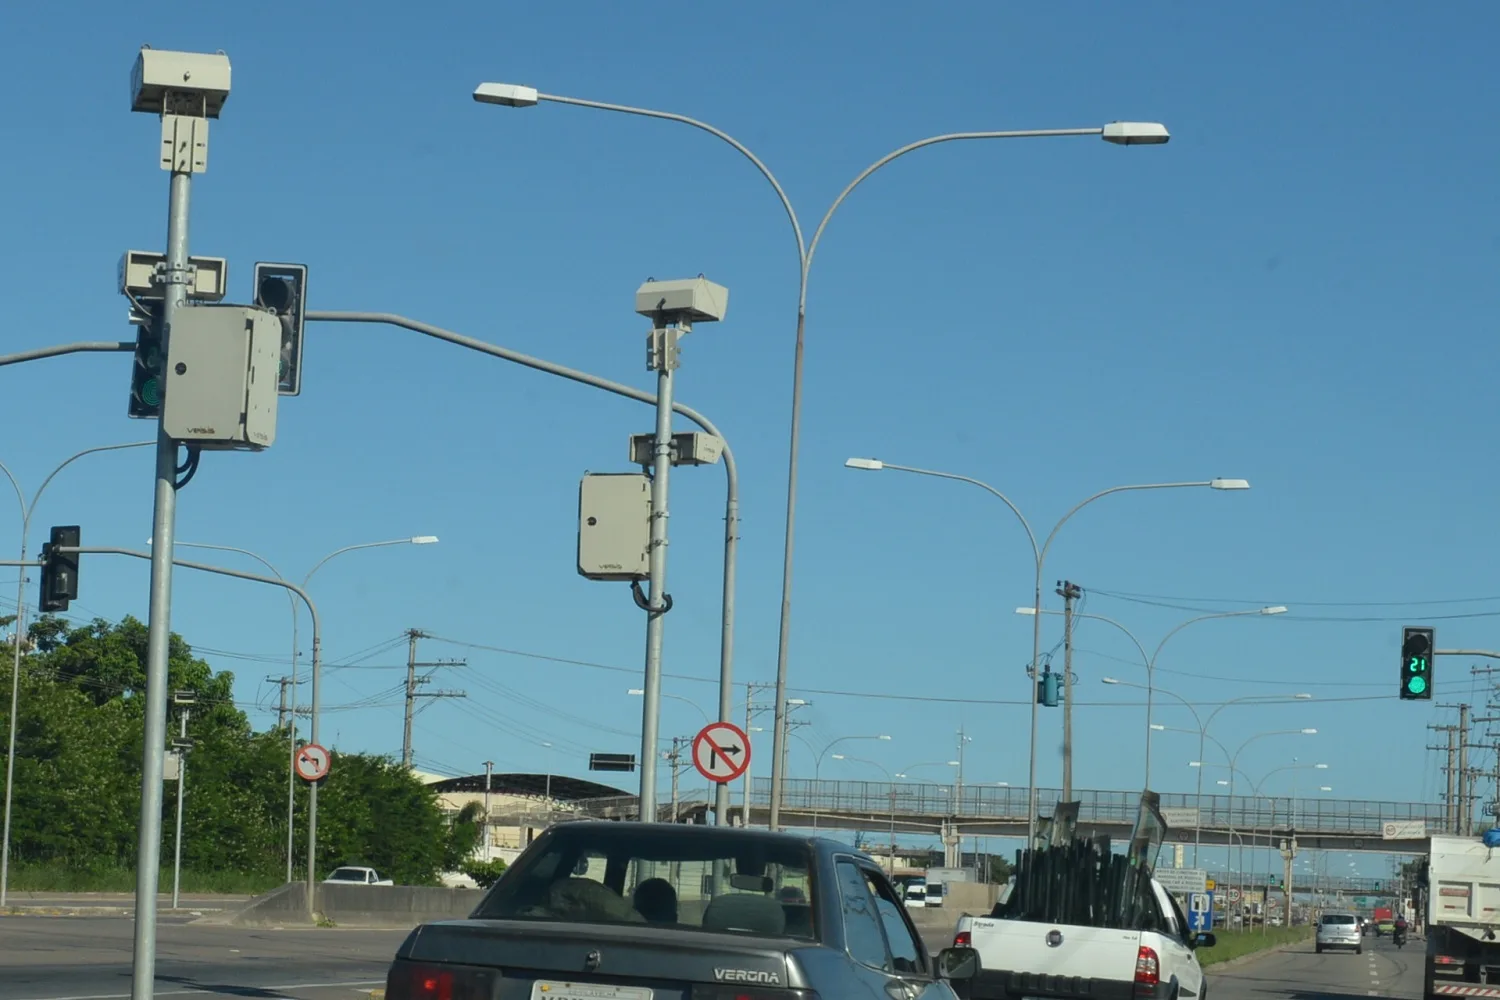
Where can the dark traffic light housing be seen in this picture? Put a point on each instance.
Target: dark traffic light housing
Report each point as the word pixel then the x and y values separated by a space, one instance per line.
pixel 59 569
pixel 1418 644
pixel 282 288
pixel 146 375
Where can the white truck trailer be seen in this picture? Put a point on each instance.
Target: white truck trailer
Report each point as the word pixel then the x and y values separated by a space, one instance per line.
pixel 1463 919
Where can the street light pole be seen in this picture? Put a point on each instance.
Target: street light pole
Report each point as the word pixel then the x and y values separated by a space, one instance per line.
pixel 818 766
pixel 1039 554
pixel 731 475
pixel 27 509
pixel 291 772
pixel 1150 661
pixel 184 701
pixel 1118 133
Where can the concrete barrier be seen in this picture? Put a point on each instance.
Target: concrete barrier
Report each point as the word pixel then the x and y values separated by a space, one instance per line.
pixel 969 897
pixel 358 905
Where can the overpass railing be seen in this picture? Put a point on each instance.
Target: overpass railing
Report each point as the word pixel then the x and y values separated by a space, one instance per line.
pixel 976 802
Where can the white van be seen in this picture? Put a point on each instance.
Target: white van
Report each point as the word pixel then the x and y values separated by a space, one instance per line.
pixel 916 895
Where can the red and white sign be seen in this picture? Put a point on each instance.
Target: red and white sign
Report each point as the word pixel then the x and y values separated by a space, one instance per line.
pixel 312 763
pixel 721 752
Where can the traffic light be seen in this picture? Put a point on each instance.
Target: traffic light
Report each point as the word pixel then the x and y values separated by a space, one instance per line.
pixel 1046 689
pixel 59 570
pixel 1417 646
pixel 146 375
pixel 282 288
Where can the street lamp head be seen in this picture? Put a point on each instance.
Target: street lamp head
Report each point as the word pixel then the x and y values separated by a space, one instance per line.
pixel 1195 763
pixel 1302 696
pixel 1026 611
pixel 1110 680
pixel 1158 727
pixel 1136 133
pixel 954 763
pixel 1321 767
pixel 1229 484
pixel 838 756
pixel 1275 609
pixel 1309 732
pixel 637 692
pixel 796 701
pixel 868 464
pixel 882 736
pixel 508 95
pixel 1327 788
pixel 424 539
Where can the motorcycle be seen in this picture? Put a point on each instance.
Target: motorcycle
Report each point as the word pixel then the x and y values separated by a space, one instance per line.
pixel 1398 937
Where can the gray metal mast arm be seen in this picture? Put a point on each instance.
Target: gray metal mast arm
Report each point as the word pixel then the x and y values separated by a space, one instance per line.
pixel 57 350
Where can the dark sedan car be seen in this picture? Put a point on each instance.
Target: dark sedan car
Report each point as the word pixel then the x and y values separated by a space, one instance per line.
pixel 644 911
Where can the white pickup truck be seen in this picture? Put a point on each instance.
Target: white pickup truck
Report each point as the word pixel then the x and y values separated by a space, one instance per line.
pixel 1026 960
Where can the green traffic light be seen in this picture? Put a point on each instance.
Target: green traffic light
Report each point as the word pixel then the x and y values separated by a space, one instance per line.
pixel 1416 685
pixel 150 394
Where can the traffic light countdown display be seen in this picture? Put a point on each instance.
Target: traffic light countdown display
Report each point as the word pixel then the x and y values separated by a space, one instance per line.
pixel 1417 646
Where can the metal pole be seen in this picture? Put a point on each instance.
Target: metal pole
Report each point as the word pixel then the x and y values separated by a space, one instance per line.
pixel 181 785
pixel 663 344
pixel 159 629
pixel 1036 656
pixel 15 691
pixel 676 754
pixel 731 472
pixel 489 770
pixel 1198 824
pixel 312 791
pixel 411 695
pixel 1067 593
pixel 750 717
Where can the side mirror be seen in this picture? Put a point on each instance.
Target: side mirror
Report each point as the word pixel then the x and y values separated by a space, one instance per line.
pixel 1205 939
pixel 958 964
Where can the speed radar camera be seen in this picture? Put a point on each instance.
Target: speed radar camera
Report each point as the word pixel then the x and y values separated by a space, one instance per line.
pixel 689 300
pixel 194 84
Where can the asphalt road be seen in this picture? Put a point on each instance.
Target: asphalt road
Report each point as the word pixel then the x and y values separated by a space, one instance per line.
pixel 71 958
pixel 1299 974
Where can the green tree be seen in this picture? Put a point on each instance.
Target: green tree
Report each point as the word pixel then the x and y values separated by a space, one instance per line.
pixel 78 760
pixel 463 837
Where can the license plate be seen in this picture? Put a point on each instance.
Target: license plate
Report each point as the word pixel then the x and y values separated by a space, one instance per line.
pixel 545 989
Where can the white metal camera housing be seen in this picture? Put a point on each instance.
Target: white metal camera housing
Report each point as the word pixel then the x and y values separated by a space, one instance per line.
pixel 139 268
pixel 689 300
pixel 197 82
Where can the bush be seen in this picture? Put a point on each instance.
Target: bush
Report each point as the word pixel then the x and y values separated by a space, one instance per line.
pixel 484 873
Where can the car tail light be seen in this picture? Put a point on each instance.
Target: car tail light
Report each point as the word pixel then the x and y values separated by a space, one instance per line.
pixel 429 981
pixel 963 939
pixel 703 991
pixel 1147 968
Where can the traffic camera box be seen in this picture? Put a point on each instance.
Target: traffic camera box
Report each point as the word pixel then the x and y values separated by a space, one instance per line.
pixel 614 526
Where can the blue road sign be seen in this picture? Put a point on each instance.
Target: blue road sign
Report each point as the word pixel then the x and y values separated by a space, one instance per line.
pixel 1200 913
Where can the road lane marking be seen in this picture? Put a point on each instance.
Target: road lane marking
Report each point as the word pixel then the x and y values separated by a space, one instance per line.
pixel 201 991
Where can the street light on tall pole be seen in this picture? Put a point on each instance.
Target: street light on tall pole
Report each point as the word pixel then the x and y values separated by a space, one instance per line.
pixel 1116 133
pixel 291 773
pixel 818 766
pixel 891 867
pixel 27 509
pixel 1202 730
pixel 1150 661
pixel 1039 554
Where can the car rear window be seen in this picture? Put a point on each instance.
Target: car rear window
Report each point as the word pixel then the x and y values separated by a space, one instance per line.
pixel 347 875
pixel 1337 918
pixel 725 883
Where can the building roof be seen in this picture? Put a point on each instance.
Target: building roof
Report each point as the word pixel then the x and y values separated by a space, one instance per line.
pixel 557 786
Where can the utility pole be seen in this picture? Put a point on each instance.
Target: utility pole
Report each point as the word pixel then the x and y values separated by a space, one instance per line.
pixel 1466 814
pixel 489 772
pixel 413 682
pixel 1069 592
pixel 1450 812
pixel 751 711
pixel 787 724
pixel 674 759
pixel 283 707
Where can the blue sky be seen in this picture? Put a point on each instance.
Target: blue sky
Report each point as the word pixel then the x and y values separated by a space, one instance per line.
pixel 1298 290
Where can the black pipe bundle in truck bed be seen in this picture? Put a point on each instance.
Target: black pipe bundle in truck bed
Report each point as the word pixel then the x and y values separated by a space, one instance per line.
pixel 1082 923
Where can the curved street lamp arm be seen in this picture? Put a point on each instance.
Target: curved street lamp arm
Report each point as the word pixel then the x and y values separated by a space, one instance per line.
pixel 897 154
pixel 786 203
pixel 1030 535
pixel 1104 493
pixel 20 496
pixel 352 548
pixel 67 462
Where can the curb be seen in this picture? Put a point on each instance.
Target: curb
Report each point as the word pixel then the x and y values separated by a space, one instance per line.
pixel 91 911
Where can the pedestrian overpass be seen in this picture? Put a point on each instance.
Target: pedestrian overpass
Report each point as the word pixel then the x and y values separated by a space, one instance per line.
pixel 1319 822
